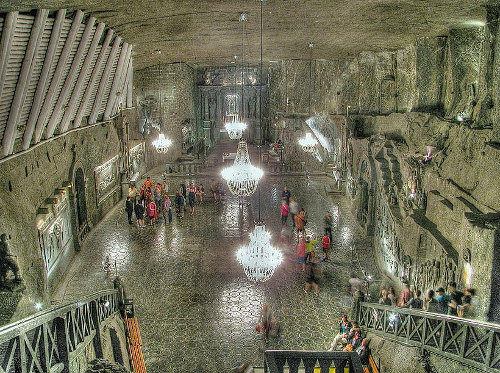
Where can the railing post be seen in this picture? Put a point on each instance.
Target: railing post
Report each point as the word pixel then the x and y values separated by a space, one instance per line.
pixel 62 343
pixel 97 326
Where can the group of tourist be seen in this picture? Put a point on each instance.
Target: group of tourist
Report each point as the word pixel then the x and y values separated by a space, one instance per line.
pixel 153 200
pixel 351 338
pixel 307 260
pixel 453 302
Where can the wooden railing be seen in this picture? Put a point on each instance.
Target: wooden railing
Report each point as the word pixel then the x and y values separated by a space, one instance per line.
pixel 48 341
pixel 276 360
pixel 473 343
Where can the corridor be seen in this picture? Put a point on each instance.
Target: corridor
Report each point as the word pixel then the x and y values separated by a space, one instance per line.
pixel 196 308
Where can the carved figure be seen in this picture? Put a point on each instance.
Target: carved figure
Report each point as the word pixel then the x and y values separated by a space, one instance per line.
pixel 7 262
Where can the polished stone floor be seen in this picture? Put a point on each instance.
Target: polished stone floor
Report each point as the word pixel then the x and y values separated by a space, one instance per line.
pixel 196 308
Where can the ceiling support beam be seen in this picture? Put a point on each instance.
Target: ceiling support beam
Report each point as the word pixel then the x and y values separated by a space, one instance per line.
pixel 104 81
pixel 70 79
pixel 56 79
pixel 23 81
pixel 5 45
pixel 42 81
pixel 93 79
pixel 124 80
pixel 130 102
pixel 121 69
pixel 77 91
pixel 116 80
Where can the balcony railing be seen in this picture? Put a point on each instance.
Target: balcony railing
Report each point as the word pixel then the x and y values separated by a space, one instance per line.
pixel 47 341
pixel 277 360
pixel 473 343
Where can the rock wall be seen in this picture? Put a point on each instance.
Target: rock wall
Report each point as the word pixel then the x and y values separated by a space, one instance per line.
pixel 166 101
pixel 33 185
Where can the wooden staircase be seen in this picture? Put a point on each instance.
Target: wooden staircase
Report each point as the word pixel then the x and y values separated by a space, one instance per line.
pixel 134 343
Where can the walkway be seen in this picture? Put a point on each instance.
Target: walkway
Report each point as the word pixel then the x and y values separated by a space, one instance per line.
pixel 196 308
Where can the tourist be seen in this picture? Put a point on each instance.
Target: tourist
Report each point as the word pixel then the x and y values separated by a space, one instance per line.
pixel 148 183
pixel 325 243
pixel 301 253
pixel 405 298
pixel 300 222
pixel 454 298
pixel 466 309
pixel 294 210
pixel 384 299
pixel 355 341
pixel 313 273
pixel 191 197
pixel 219 191
pixel 167 210
pixel 180 201
pixel 310 247
pixel 344 329
pixel 200 192
pixel 157 195
pixel 364 352
pixel 139 213
pixel 264 323
pixel 152 213
pixel 213 189
pixel 285 195
pixel 285 209
pixel 133 193
pixel 416 303
pixel 164 188
pixel 129 208
pixel 442 301
pixel 431 304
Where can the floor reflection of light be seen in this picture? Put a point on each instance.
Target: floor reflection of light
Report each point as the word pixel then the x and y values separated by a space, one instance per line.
pixel 274 193
pixel 239 306
pixel 174 246
pixel 116 253
pixel 234 218
pixel 346 235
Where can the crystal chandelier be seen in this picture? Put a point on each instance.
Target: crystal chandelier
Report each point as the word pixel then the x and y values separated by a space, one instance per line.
pixel 308 143
pixel 242 178
pixel 161 144
pixel 259 259
pixel 235 129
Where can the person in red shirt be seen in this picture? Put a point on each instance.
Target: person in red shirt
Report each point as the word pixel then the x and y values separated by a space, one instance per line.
pixel 326 246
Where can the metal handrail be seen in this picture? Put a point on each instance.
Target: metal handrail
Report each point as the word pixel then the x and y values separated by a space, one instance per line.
pixel 276 360
pixel 49 340
pixel 470 342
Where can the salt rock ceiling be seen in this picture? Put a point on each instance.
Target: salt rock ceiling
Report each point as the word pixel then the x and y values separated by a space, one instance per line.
pixel 209 32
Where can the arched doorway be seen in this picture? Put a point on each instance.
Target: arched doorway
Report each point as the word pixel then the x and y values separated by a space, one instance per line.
pixel 81 204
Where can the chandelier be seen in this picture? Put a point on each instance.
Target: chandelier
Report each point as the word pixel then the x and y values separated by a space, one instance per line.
pixel 259 259
pixel 242 178
pixel 308 143
pixel 235 129
pixel 161 144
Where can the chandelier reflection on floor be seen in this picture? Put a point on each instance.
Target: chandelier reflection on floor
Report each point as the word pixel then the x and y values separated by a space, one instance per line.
pixel 308 143
pixel 162 144
pixel 242 177
pixel 259 259
pixel 235 129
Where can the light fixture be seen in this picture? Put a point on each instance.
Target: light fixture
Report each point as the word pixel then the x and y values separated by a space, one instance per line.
pixel 235 128
pixel 162 144
pixel 242 177
pixel 259 259
pixel 308 143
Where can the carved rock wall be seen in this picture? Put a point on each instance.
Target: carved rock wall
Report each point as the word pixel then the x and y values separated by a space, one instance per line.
pixel 29 179
pixel 165 95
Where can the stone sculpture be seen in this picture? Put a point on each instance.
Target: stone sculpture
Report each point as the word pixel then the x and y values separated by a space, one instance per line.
pixel 8 262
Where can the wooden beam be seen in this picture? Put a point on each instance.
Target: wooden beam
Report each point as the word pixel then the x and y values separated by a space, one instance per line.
pixel 130 102
pixel 73 102
pixel 42 81
pixel 92 81
pixel 5 45
pixel 122 80
pixel 104 81
pixel 24 78
pixel 116 81
pixel 56 78
pixel 70 79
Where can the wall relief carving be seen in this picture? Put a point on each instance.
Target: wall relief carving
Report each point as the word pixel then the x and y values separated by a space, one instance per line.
pixel 106 179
